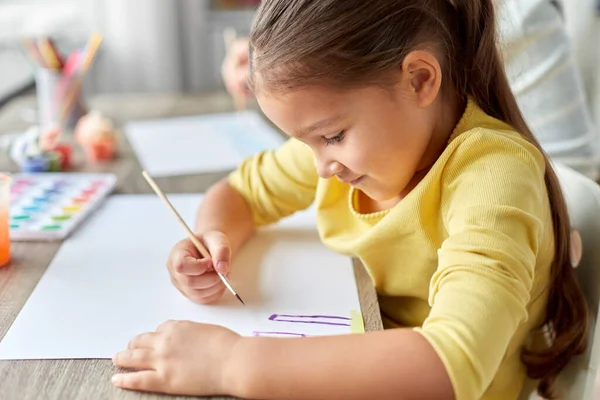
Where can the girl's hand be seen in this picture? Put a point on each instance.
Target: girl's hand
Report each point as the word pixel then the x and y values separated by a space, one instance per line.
pixel 195 276
pixel 235 69
pixel 181 357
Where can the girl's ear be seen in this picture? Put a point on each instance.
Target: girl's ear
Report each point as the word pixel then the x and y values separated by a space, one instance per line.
pixel 422 76
pixel 576 248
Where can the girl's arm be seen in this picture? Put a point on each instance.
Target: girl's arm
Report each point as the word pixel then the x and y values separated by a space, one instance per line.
pixel 224 209
pixel 262 190
pixel 391 364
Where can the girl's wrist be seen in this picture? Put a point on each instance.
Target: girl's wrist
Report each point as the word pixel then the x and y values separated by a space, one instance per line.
pixel 235 380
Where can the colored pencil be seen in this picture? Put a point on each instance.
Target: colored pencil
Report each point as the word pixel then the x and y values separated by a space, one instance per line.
pixel 90 51
pixel 33 52
pixel 48 52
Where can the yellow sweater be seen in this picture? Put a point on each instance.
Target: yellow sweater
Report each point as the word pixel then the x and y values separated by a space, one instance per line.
pixel 463 259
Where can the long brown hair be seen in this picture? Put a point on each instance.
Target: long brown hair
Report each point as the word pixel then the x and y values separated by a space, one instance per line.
pixel 342 43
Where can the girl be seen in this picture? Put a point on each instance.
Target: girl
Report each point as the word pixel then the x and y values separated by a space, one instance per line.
pixel 406 137
pixel 541 70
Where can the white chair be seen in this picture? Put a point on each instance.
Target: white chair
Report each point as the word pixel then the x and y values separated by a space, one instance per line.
pixel 577 381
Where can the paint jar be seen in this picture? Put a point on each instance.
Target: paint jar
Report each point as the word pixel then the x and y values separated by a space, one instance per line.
pixel 5 180
pixel 65 151
pixel 59 100
pixel 53 161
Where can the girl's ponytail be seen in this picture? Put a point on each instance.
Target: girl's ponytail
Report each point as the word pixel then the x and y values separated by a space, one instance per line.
pixel 483 77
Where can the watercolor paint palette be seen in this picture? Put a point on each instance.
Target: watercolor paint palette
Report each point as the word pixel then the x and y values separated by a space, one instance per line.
pixel 49 206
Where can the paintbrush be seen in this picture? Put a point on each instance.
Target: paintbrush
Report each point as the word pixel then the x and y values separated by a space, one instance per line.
pixel 191 235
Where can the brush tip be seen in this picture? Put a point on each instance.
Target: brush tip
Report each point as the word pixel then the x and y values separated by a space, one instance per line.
pixel 240 299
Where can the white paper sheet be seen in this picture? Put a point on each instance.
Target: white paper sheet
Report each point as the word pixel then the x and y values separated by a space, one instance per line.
pixel 204 143
pixel 108 283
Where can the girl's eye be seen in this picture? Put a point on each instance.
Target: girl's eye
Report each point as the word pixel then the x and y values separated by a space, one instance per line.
pixel 336 139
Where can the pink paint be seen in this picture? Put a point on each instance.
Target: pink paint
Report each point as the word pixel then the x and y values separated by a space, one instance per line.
pixel 97 184
pixel 88 192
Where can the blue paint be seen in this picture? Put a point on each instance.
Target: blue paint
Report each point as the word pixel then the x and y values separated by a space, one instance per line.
pixel 61 184
pixel 32 208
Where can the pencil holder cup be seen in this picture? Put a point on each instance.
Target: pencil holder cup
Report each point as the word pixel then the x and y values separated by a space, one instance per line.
pixel 59 99
pixel 5 183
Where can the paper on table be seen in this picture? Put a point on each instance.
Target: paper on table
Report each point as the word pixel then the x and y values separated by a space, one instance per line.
pixel 204 143
pixel 108 283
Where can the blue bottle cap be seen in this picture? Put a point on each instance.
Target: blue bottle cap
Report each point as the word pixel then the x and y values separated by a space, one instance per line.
pixel 34 164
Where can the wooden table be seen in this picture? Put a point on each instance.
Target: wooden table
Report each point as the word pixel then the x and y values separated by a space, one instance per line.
pixel 90 379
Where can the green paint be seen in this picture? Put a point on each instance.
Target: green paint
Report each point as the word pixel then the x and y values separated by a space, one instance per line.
pixel 51 227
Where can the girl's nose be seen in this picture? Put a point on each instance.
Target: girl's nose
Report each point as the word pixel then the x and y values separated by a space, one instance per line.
pixel 328 169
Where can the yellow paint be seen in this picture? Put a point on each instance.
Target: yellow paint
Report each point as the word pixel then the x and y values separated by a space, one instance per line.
pixel 71 209
pixel 356 322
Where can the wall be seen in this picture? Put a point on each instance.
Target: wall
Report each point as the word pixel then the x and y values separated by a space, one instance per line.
pixel 160 46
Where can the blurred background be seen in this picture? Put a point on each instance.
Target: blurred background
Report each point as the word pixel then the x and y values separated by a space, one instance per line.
pixel 148 45
pixel 156 47
pixel 177 45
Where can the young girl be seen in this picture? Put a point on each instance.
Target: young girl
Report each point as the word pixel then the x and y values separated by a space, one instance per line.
pixel 405 136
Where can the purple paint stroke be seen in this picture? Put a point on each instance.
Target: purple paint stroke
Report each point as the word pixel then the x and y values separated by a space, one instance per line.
pixel 272 317
pixel 257 333
pixel 275 316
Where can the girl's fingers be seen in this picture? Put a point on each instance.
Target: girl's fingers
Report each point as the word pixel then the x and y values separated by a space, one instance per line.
pixel 184 258
pixel 211 298
pixel 204 281
pixel 145 381
pixel 219 249
pixel 194 267
pixel 140 359
pixel 143 341
pixel 209 295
